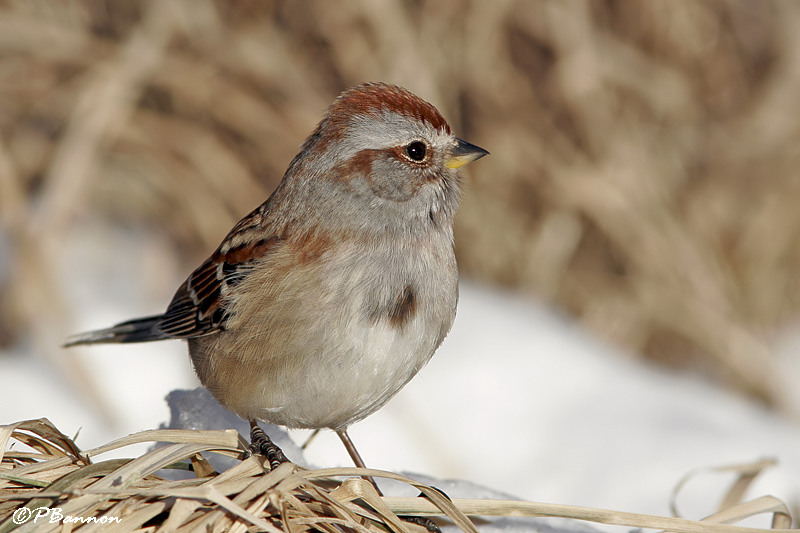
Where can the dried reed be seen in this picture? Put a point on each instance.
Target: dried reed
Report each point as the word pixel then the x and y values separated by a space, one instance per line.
pixel 56 486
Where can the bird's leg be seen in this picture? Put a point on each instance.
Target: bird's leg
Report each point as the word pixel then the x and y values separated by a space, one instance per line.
pixel 355 456
pixel 425 522
pixel 261 444
pixel 309 439
pixel 351 449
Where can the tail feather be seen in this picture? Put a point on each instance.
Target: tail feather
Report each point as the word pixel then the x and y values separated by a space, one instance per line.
pixel 138 330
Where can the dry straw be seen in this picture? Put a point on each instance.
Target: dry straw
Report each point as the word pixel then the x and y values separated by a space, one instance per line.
pixel 89 495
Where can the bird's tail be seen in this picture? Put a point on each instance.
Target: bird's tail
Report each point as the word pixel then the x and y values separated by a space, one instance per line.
pixel 138 330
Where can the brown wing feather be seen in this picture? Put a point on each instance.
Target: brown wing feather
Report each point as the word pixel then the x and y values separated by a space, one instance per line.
pixel 199 306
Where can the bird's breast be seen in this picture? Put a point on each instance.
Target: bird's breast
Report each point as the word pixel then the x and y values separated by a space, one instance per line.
pixel 330 340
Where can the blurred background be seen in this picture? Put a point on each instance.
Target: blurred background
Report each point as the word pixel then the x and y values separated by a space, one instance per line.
pixel 643 177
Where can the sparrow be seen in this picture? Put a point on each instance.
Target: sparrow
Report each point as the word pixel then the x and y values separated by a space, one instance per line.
pixel 323 302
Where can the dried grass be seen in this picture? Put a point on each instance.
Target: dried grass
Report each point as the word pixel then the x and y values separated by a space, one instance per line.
pixel 644 154
pixel 57 474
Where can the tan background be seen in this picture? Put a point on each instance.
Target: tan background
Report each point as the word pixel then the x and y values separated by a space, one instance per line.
pixel 643 176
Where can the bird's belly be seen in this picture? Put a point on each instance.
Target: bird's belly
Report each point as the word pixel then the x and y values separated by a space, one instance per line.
pixel 323 379
pixel 350 382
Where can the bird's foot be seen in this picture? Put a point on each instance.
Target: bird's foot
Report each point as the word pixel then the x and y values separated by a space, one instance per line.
pixel 261 444
pixel 423 521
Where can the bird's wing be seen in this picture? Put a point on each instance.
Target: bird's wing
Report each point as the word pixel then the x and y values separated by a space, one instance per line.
pixel 199 306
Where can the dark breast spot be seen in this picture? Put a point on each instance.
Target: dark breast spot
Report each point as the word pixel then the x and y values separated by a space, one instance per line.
pixel 403 309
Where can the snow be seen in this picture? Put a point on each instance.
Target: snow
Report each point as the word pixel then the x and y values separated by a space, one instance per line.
pixel 519 399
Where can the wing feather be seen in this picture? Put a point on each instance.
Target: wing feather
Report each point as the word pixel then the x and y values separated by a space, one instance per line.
pixel 199 306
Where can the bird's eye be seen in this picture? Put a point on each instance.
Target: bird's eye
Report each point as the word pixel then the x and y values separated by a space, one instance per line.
pixel 416 150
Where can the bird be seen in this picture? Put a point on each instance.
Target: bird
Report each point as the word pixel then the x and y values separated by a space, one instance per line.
pixel 324 301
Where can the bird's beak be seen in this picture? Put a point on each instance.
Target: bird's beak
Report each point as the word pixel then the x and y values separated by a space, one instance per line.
pixel 464 153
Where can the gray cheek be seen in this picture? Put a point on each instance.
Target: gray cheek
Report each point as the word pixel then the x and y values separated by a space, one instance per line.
pixel 393 180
